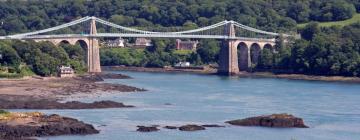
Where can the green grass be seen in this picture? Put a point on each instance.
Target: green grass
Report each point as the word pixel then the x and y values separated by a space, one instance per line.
pixel 354 19
pixel 10 75
pixel 183 52
pixel 3 112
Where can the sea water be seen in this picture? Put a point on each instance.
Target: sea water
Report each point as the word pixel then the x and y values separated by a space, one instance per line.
pixel 332 110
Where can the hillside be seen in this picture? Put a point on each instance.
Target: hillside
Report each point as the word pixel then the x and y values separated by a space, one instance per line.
pixel 354 19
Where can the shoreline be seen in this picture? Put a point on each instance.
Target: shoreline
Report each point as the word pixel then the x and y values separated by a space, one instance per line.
pixel 209 71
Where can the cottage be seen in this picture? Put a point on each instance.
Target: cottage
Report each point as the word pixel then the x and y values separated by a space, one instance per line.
pixel 186 45
pixel 116 43
pixel 65 71
pixel 142 43
pixel 183 64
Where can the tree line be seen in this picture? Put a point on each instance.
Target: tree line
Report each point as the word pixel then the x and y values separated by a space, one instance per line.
pixel 321 51
pixel 274 15
pixel 43 58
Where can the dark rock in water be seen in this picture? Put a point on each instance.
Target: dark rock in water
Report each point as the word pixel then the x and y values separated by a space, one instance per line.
pixel 191 127
pixel 275 120
pixel 147 128
pixel 170 127
pixel 51 104
pixel 212 125
pixel 43 125
pixel 90 78
pixel 113 76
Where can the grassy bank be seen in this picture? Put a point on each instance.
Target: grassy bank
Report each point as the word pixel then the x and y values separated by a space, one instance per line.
pixel 354 19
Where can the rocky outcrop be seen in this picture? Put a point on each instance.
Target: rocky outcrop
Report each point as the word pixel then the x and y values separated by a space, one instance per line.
pixel 113 76
pixel 275 120
pixel 212 125
pixel 147 128
pixel 23 125
pixel 191 127
pixel 51 104
pixel 170 127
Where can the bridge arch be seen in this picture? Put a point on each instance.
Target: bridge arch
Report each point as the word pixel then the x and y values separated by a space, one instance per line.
pixel 243 56
pixel 255 50
pixel 85 46
pixel 269 46
pixel 62 42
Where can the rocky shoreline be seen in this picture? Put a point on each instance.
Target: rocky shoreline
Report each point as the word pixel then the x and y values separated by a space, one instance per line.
pixel 51 104
pixel 46 93
pixel 58 88
pixel 14 126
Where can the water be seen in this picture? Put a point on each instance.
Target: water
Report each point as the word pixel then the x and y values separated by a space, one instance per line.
pixel 332 110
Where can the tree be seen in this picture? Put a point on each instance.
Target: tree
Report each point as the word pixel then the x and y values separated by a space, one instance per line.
pixel 310 30
pixel 209 51
pixel 266 59
pixel 298 61
pixel 299 11
pixel 8 55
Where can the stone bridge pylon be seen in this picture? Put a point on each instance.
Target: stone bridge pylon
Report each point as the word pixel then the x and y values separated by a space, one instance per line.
pixel 90 44
pixel 230 63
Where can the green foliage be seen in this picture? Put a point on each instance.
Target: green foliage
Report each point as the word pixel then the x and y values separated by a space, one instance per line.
pixel 209 51
pixel 41 58
pixel 310 30
pixel 9 56
pixel 22 16
pixel 266 60
pixel 327 51
pixel 122 56
pixel 354 19
pixel 3 112
pixel 332 10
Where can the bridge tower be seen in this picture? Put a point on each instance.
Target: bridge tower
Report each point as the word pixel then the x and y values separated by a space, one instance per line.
pixel 228 59
pixel 93 54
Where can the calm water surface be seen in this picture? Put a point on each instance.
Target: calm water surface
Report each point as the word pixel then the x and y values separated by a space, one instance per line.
pixel 332 110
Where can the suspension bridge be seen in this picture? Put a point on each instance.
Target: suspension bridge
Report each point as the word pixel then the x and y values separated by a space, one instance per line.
pixel 88 30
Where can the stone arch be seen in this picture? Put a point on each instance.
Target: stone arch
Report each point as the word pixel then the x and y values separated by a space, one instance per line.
pixel 269 46
pixel 255 50
pixel 85 46
pixel 243 56
pixel 82 43
pixel 63 42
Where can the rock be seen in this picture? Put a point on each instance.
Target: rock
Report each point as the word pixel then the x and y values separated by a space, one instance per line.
pixel 191 127
pixel 275 120
pixel 51 104
pixel 212 125
pixel 38 126
pixel 147 128
pixel 170 127
pixel 114 76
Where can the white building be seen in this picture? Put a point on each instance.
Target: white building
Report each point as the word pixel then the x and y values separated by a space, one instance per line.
pixel 186 45
pixel 143 42
pixel 116 43
pixel 183 64
pixel 65 71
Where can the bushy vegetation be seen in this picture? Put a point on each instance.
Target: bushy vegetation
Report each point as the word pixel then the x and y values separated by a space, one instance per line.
pixel 322 51
pixel 275 15
pixel 3 112
pixel 24 58
pixel 353 20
